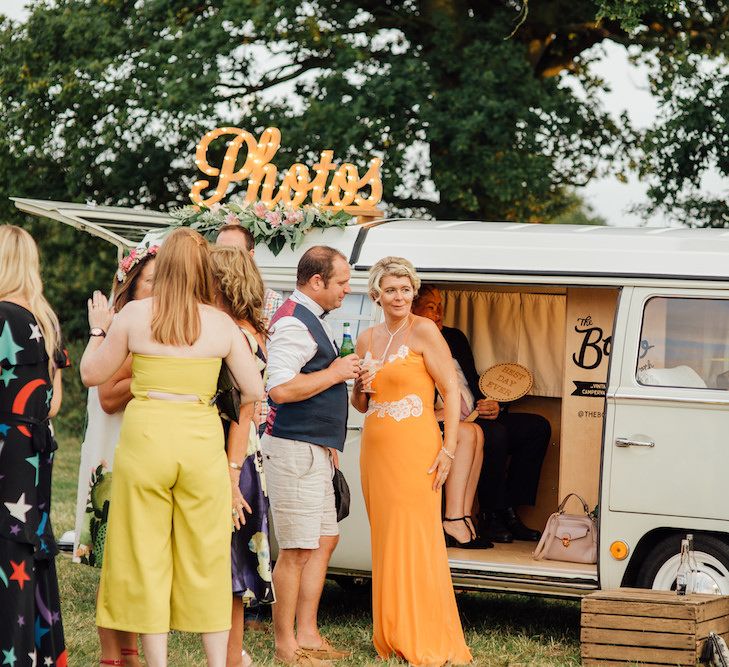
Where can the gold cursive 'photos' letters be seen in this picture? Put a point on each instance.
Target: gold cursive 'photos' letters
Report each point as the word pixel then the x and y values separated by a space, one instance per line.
pixel 341 194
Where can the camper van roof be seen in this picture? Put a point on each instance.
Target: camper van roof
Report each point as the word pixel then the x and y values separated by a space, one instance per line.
pixel 440 247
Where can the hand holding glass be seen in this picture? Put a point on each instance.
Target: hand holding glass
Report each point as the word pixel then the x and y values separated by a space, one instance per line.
pixel 369 370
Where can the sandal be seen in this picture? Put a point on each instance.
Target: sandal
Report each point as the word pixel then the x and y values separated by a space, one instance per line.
pixel 474 543
pixel 247 660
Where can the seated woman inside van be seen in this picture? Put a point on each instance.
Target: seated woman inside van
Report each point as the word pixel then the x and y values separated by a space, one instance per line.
pixel 514 443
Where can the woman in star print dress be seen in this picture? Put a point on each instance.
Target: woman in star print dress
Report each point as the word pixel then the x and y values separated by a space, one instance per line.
pixel 31 632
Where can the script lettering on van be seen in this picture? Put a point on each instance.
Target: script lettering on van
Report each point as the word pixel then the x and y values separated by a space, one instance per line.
pixel 342 192
pixel 595 345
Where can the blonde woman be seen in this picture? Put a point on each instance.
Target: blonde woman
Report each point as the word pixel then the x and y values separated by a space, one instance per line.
pixel 105 411
pixel 241 296
pixel 31 360
pixel 168 544
pixel 404 464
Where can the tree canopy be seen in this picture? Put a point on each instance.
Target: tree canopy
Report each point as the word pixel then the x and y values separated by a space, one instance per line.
pixel 480 110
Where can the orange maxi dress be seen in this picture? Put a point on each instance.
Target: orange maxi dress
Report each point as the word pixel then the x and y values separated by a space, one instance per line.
pixel 414 610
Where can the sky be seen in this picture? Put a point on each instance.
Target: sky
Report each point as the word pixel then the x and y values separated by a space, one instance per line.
pixel 609 197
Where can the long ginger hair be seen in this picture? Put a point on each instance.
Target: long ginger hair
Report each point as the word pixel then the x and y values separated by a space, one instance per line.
pixel 20 279
pixel 182 281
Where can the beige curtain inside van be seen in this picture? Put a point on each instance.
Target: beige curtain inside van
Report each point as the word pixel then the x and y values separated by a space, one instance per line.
pixel 512 327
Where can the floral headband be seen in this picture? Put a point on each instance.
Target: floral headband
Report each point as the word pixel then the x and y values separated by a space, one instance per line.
pixel 133 258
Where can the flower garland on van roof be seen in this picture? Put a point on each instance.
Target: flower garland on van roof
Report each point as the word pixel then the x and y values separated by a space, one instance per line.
pixel 276 226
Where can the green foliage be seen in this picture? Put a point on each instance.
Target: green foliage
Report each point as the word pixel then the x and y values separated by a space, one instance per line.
pixel 577 212
pixel 630 13
pixel 73 265
pixel 479 110
pixel 275 227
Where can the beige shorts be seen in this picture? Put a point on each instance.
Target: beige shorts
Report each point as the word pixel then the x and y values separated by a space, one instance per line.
pixel 299 483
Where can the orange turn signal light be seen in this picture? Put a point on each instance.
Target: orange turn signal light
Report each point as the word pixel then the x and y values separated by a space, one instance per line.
pixel 619 550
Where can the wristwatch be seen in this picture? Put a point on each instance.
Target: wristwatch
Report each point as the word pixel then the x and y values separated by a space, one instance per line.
pixel 97 331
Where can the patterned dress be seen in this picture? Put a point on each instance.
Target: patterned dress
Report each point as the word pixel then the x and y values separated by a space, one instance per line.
pixel 31 632
pixel 250 551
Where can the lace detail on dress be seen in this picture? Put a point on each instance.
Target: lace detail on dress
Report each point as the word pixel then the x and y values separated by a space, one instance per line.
pixel 401 353
pixel 409 406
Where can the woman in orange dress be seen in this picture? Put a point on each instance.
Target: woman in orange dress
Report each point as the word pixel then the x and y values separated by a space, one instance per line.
pixel 404 463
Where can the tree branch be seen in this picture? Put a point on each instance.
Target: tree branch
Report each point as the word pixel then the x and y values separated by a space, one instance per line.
pixel 411 202
pixel 311 63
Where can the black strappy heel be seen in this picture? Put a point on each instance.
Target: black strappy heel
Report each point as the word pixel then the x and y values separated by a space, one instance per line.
pixel 474 543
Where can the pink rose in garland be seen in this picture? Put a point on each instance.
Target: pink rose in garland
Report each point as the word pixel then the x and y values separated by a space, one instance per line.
pixel 232 219
pixel 273 218
pixel 293 216
pixel 260 209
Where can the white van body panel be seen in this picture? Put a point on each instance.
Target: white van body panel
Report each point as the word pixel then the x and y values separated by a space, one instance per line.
pixel 677 485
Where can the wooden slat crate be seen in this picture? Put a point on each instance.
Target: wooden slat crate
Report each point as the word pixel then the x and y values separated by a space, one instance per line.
pixel 633 626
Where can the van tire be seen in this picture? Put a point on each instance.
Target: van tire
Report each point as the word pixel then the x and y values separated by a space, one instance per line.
pixel 712 555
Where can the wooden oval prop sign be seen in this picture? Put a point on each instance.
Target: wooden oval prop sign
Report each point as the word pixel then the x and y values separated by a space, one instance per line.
pixel 505 382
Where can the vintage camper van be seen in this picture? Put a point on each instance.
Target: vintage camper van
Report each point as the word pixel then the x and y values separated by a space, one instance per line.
pixel 626 332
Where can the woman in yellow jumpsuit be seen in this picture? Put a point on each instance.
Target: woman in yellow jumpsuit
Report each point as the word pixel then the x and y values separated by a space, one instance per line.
pixel 167 555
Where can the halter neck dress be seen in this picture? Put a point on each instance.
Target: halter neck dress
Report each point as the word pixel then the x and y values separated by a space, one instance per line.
pixel 414 610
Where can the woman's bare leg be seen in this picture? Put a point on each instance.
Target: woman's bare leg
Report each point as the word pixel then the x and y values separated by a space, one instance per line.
pixel 128 643
pixel 235 638
pixel 472 484
pixel 457 483
pixel 216 647
pixel 110 644
pixel 155 649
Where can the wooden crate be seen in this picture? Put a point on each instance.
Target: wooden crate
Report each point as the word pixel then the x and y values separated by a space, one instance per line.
pixel 634 626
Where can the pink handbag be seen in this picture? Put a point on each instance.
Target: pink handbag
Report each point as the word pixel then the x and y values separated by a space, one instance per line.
pixel 569 537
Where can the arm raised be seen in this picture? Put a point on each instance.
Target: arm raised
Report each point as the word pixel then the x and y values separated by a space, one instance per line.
pixel 360 399
pixel 105 355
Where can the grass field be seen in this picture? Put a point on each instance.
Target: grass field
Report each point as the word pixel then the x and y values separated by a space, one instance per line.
pixel 500 629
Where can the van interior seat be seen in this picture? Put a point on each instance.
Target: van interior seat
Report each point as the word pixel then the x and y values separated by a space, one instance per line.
pixel 679 376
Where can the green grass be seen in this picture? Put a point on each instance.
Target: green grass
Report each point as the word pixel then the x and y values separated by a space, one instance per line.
pixel 500 629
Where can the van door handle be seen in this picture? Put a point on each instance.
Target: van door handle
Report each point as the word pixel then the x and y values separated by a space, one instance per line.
pixel 354 428
pixel 627 442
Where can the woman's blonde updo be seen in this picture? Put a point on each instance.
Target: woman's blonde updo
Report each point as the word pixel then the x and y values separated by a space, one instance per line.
pixel 240 284
pixel 399 267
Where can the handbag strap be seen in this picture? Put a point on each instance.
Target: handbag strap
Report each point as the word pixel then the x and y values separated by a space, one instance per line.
pixel 561 507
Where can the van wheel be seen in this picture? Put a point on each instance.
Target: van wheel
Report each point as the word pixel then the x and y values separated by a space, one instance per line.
pixel 658 570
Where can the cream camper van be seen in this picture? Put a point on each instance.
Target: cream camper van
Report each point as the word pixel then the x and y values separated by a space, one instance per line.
pixel 626 332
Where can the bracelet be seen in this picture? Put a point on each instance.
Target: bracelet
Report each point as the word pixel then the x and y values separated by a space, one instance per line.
pixel 234 465
pixel 447 453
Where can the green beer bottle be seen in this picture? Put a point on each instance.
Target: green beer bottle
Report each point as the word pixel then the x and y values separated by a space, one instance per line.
pixel 347 346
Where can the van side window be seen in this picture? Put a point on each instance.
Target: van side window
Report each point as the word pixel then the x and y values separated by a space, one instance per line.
pixel 356 309
pixel 684 342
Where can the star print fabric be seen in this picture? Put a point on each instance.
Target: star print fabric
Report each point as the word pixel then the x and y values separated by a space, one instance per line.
pixel 31 632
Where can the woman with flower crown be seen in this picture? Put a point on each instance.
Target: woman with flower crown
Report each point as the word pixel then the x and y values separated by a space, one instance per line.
pixel 105 408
